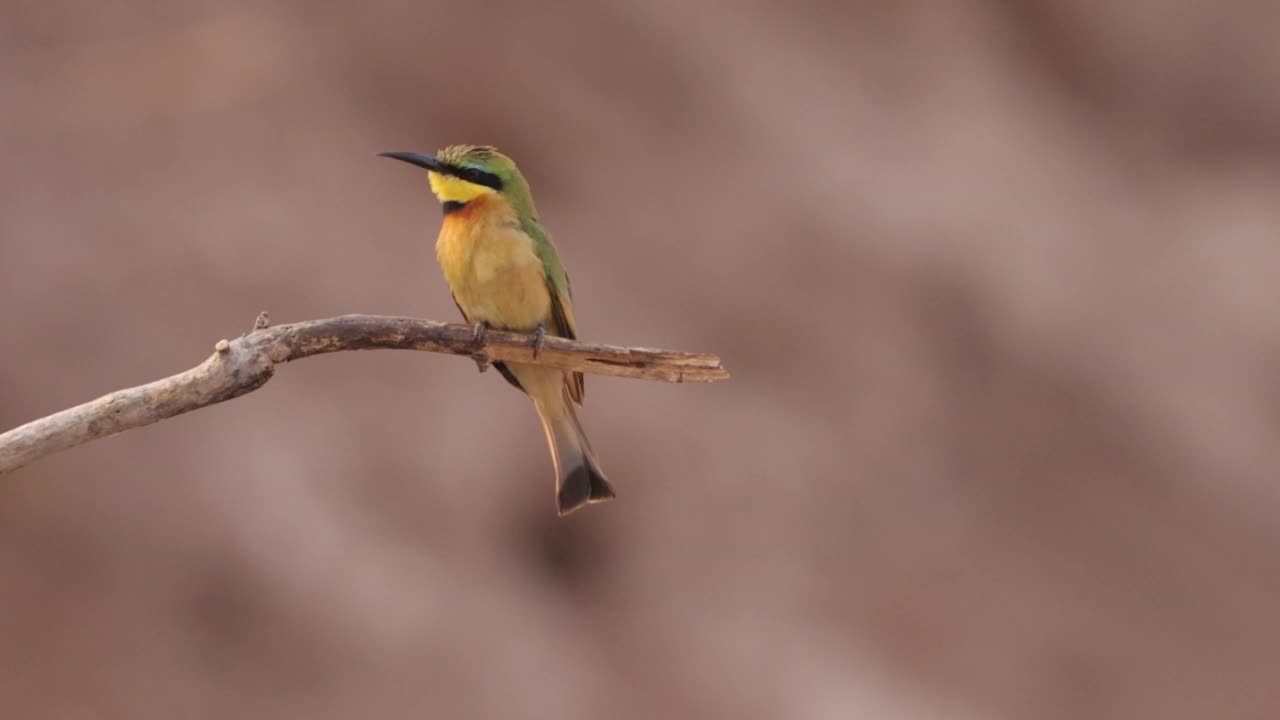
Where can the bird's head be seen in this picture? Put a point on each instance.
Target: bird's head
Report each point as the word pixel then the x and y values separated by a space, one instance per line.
pixel 462 173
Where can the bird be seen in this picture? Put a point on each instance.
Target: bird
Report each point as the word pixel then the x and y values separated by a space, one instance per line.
pixel 504 273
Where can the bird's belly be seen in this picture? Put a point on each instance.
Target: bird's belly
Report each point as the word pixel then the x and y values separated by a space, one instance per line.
pixel 496 279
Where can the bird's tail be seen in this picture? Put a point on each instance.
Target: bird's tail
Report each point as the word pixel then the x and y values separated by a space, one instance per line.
pixel 579 479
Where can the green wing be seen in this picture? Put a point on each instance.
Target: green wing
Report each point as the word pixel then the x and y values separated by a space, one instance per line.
pixel 562 323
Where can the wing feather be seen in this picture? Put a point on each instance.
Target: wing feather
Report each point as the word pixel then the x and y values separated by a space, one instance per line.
pixel 562 321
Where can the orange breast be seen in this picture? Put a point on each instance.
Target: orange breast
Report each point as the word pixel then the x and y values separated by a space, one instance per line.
pixel 491 267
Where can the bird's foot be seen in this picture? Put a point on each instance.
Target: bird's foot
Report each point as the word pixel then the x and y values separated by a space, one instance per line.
pixel 477 335
pixel 539 339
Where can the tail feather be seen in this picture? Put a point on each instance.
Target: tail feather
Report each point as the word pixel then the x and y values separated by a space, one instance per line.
pixel 582 485
pixel 579 479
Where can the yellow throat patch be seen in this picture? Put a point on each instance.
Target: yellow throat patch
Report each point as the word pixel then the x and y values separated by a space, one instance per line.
pixel 453 189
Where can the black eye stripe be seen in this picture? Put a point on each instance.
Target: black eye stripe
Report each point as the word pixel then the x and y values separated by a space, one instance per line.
pixel 477 176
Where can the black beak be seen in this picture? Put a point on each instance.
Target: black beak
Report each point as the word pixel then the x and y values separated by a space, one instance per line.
pixel 422 161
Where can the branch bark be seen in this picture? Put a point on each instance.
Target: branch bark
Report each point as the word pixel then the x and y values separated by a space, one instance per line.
pixel 245 364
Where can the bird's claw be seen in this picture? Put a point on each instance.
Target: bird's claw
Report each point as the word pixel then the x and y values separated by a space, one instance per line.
pixel 477 335
pixel 539 339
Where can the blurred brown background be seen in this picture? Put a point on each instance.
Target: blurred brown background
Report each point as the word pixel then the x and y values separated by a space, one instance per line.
pixel 997 282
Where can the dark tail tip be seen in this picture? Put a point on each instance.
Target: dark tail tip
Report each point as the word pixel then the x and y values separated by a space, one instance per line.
pixel 583 485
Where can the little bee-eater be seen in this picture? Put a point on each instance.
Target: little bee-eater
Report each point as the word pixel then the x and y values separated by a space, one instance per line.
pixel 504 273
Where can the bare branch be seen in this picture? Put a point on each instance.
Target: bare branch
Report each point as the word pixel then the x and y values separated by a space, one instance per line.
pixel 246 363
